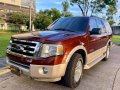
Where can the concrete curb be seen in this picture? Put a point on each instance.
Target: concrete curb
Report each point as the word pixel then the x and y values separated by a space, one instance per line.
pixel 4 71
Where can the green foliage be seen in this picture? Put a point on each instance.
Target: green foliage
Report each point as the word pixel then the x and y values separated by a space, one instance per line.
pixel 65 5
pixel 17 18
pixel 46 17
pixel 53 13
pixel 42 21
pixel 111 11
pixel 68 14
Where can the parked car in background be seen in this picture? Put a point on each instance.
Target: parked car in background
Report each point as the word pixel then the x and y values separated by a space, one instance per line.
pixel 71 45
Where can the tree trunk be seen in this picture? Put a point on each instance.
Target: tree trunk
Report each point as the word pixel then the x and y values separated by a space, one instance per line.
pixel 83 13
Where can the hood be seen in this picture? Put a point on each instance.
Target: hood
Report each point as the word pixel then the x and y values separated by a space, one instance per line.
pixel 46 36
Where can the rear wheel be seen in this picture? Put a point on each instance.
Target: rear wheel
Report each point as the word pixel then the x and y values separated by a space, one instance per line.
pixel 74 71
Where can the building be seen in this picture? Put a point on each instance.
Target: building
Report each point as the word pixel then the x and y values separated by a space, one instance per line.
pixel 9 6
pixel 116 29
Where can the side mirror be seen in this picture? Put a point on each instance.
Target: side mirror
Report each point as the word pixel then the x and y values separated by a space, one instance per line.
pixel 96 31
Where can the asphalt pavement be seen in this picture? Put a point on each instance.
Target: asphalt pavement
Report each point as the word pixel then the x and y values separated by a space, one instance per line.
pixel 103 76
pixel 2 63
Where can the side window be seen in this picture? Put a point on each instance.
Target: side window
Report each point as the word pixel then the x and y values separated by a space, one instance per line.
pixel 92 24
pixel 108 28
pixel 101 25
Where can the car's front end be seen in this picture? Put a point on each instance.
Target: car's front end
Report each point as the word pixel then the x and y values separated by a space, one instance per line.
pixel 38 60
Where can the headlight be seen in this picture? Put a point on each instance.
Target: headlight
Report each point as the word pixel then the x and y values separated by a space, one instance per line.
pixel 51 50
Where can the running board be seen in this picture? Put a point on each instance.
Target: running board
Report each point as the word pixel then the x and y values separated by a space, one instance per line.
pixel 88 66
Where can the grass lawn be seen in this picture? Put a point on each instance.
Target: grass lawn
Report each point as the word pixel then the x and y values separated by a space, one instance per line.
pixel 4 40
pixel 116 38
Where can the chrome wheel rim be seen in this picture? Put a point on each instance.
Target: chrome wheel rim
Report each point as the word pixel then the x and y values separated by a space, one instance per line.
pixel 78 71
pixel 108 52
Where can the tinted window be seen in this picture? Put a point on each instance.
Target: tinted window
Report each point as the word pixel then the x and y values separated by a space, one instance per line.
pixel 76 24
pixel 52 24
pixel 93 23
pixel 101 25
pixel 107 26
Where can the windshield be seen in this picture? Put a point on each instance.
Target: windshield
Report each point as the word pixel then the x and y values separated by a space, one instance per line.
pixel 73 24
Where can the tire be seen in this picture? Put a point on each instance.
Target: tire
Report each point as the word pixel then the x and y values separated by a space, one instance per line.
pixel 74 71
pixel 107 54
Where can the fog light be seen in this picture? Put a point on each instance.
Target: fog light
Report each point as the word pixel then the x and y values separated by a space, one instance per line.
pixel 43 70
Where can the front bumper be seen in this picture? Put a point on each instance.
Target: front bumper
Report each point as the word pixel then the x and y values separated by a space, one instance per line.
pixel 54 72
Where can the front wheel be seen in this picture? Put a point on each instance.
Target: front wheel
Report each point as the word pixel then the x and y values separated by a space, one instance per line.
pixel 74 71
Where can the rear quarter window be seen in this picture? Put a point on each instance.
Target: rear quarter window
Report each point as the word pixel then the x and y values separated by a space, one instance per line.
pixel 107 26
pixel 101 25
pixel 93 23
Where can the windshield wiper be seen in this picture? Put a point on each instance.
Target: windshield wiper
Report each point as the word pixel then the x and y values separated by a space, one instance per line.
pixel 64 29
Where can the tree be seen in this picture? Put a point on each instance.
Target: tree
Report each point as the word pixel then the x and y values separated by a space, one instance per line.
pixel 95 6
pixel 65 5
pixel 46 17
pixel 53 13
pixel 42 21
pixel 111 11
pixel 17 18
pixel 68 14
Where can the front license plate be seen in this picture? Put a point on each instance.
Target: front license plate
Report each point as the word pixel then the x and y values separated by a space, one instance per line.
pixel 15 71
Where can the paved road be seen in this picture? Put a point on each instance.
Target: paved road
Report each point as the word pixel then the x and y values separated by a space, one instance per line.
pixel 100 77
pixel 2 63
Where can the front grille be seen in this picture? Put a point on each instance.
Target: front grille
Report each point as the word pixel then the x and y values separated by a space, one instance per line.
pixel 24 47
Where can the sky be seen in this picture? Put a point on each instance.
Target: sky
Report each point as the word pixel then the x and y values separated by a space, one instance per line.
pixel 48 4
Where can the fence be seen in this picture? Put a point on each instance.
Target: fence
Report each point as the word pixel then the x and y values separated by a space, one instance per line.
pixel 14 27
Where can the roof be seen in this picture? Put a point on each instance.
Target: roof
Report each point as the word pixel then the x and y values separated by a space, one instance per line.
pixel 88 17
pixel 115 25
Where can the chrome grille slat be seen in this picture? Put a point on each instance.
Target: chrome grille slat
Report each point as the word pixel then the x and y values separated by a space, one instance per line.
pixel 24 47
pixel 23 51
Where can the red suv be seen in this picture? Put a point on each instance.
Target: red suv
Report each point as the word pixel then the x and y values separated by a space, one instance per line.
pixel 70 45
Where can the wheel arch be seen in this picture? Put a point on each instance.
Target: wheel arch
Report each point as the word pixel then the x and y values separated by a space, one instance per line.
pixel 109 42
pixel 83 53
pixel 78 49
